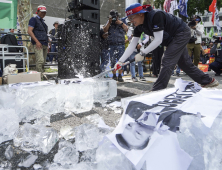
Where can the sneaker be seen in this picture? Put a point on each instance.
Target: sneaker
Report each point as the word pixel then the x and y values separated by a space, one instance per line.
pixel 213 83
pixel 114 77
pixel 134 79
pixel 120 79
pixel 178 74
pixel 142 79
pixel 125 73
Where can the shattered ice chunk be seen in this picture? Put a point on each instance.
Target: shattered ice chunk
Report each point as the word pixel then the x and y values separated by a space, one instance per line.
pixel 67 154
pixel 109 157
pixel 88 156
pixel 88 137
pixel 9 122
pixel 67 132
pixel 191 136
pixel 35 137
pixel 33 103
pixel 213 146
pixel 28 161
pixel 44 120
pixel 9 152
pixel 37 166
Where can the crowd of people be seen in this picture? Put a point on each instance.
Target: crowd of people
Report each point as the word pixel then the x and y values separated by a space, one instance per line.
pixel 172 44
pixel 144 30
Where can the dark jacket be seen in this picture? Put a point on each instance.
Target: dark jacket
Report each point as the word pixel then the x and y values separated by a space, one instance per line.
pixel 173 25
pixel 10 40
pixel 40 31
pixel 116 35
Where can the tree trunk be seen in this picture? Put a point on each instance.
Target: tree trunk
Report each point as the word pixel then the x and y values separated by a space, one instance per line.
pixel 24 13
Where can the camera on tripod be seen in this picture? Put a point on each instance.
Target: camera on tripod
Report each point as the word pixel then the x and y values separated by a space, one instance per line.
pixel 114 15
pixel 218 39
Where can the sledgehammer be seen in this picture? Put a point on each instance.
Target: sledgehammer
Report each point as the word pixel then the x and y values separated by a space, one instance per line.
pixel 105 72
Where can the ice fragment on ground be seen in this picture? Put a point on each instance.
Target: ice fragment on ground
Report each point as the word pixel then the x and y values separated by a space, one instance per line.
pixel 102 124
pixel 116 107
pixel 94 119
pixel 9 152
pixel 35 137
pixel 37 167
pixel 213 146
pixel 44 120
pixel 88 156
pixel 28 161
pixel 67 132
pixel 109 157
pixel 88 137
pixel 191 136
pixel 67 154
pixel 9 122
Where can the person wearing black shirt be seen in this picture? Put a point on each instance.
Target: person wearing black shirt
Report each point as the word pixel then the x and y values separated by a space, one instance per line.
pixel 169 31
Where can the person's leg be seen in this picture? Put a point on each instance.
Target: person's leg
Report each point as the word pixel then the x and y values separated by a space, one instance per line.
pixel 178 70
pixel 120 51
pixel 140 69
pixel 155 60
pixel 190 47
pixel 171 57
pixel 191 70
pixel 132 65
pixel 39 59
pixel 104 59
pixel 196 54
pixel 53 49
pixel 216 67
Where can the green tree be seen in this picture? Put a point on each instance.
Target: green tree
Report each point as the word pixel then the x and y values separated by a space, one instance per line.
pixel 193 6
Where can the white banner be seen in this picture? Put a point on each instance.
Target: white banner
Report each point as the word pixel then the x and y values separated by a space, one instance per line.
pixel 146 131
pixel 217 20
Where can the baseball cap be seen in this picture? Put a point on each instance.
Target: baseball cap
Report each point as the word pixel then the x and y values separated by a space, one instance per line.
pixel 135 8
pixel 41 8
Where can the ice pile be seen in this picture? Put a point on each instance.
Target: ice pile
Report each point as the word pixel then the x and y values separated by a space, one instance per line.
pixel 191 136
pixel 35 137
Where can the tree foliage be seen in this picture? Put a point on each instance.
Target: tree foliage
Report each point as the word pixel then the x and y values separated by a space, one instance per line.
pixel 193 6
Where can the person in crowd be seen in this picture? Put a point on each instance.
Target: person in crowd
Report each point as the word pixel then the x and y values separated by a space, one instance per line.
pixel 143 40
pixel 38 30
pixel 194 44
pixel 12 30
pixel 53 33
pixel 172 32
pixel 116 40
pixel 216 66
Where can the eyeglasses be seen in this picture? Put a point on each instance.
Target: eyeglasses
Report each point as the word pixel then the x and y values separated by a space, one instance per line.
pixel 132 17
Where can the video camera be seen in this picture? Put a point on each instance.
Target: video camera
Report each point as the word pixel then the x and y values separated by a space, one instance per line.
pixel 114 15
pixel 218 39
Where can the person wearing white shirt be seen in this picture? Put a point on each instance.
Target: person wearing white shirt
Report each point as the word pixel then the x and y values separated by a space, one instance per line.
pixel 195 46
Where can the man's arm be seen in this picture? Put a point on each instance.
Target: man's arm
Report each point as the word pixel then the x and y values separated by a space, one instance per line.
pixel 158 38
pixel 106 28
pixel 30 32
pixel 129 49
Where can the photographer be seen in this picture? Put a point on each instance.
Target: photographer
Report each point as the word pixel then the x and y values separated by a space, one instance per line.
pixel 195 41
pixel 216 66
pixel 116 40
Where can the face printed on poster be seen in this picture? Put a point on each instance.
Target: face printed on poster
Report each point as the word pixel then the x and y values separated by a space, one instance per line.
pixel 146 131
